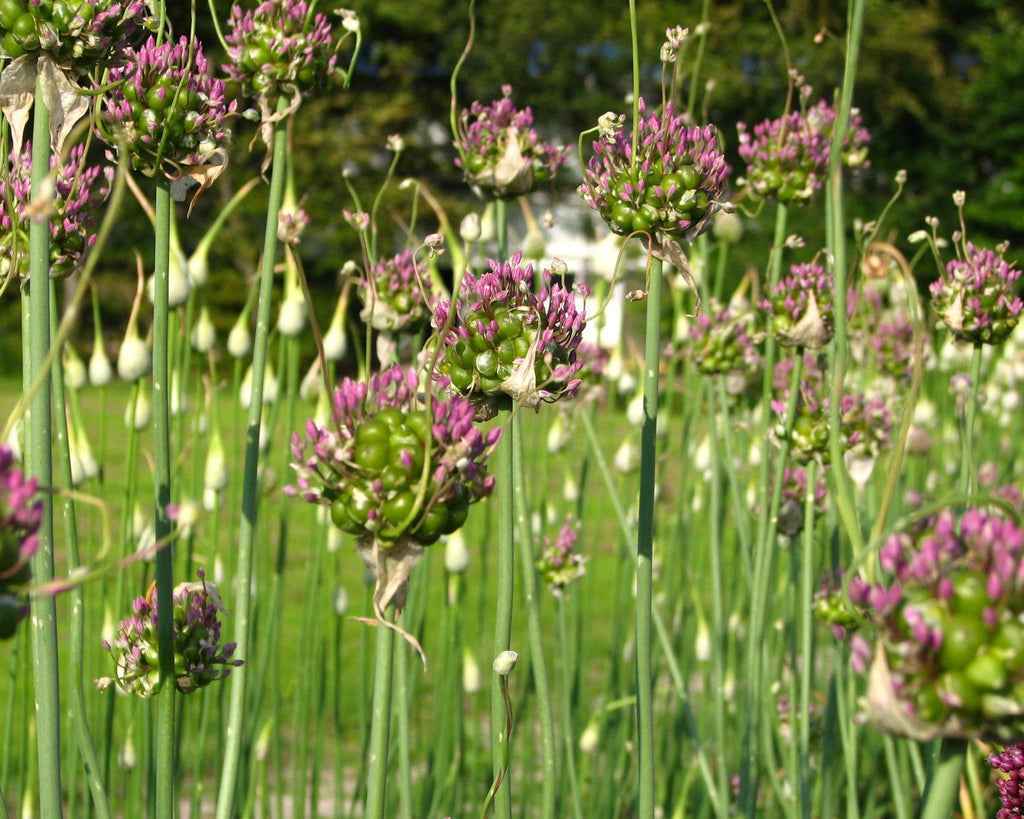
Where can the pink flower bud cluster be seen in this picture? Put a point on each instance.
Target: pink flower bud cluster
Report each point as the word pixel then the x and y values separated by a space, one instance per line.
pixel 788 158
pixel 279 44
pixel 500 152
pixel 78 192
pixel 672 187
pixel 20 515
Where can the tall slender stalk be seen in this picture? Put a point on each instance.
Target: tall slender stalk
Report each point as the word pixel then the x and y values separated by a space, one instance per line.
pixel 505 585
pixel 645 546
pixel 44 608
pixel 250 490
pixel 79 709
pixel 165 750
pixel 383 664
pixel 534 628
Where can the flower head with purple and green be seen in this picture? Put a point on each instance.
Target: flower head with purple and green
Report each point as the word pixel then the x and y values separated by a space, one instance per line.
pixel 788 158
pixel 948 622
pixel 21 512
pixel 78 192
pixel 672 187
pixel 78 33
pixel 167 110
pixel 499 150
pixel 369 463
pixel 396 297
pixel 279 46
pixel 199 656
pixel 509 342
pixel 724 342
pixel 799 307
pixel 559 564
pixel 976 296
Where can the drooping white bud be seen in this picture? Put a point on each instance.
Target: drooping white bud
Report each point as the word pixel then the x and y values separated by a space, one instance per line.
pixel 204 336
pixel 240 339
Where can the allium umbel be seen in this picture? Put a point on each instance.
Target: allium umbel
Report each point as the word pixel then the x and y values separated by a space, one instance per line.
pixel 396 297
pixel 199 656
pixel 1011 786
pixel 799 308
pixel 367 465
pixel 500 152
pixel 975 297
pixel 76 32
pixel 20 515
pixel 166 109
pixel 788 158
pixel 949 629
pixel 279 46
pixel 559 564
pixel 507 340
pixel 672 187
pixel 78 192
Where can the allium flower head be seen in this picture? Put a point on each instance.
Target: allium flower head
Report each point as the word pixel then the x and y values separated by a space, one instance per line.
pixel 78 191
pixel 500 152
pixel 1011 785
pixel 75 32
pixel 199 656
pixel 723 342
pixel 975 297
pixel 396 297
pixel 948 618
pixel 20 516
pixel 865 421
pixel 788 158
pixel 799 308
pixel 508 341
pixel 368 463
pixel 279 46
pixel 166 109
pixel 559 564
pixel 672 187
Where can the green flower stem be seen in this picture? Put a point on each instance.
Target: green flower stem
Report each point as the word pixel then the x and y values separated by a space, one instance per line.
pixel 970 416
pixel 534 627
pixel 835 231
pixel 756 673
pixel 43 619
pixel 505 571
pixel 76 640
pixel 165 752
pixel 380 730
pixel 805 625
pixel 747 777
pixel 250 489
pixel 568 734
pixel 645 546
pixel 940 794
pixel 719 637
pixel 402 733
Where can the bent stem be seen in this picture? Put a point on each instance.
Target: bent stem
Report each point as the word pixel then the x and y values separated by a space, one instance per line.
pixel 645 546
pixel 250 488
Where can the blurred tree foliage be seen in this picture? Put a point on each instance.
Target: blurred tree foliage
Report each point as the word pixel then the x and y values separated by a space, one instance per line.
pixel 940 86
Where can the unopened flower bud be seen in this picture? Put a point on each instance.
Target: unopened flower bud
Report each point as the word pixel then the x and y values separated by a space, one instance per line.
pixel 133 359
pixel 472 679
pixel 505 662
pixel 291 320
pixel 204 336
pixel 456 555
pixel 240 339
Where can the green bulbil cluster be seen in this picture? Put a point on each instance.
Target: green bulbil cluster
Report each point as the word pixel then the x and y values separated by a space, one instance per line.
pixel 79 31
pixel 381 495
pixel 481 361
